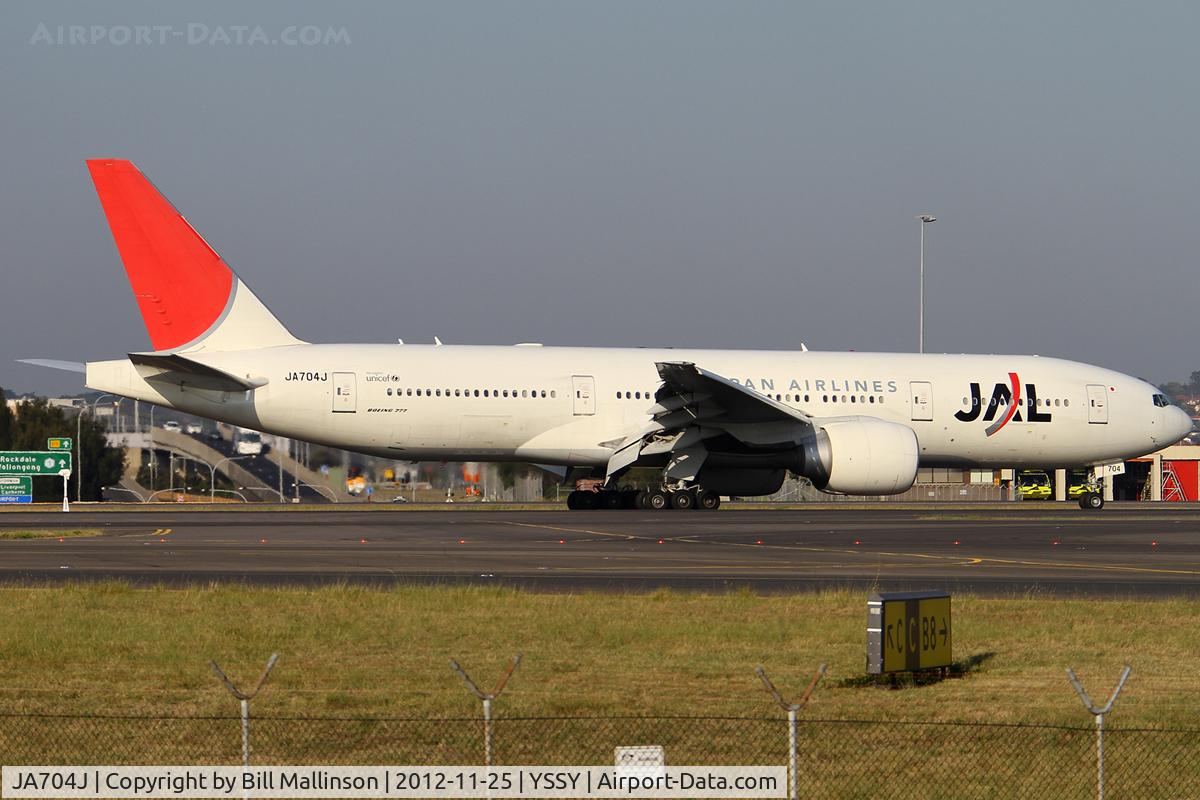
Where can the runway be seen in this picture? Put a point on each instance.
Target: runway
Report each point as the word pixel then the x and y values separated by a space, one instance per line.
pixel 1123 549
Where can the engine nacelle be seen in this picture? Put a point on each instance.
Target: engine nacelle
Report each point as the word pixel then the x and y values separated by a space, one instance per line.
pixel 864 456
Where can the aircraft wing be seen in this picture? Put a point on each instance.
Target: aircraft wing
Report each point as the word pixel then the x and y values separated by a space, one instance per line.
pixel 693 407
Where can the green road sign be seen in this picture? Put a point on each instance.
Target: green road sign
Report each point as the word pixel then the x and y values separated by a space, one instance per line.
pixel 16 489
pixel 34 462
pixel 59 443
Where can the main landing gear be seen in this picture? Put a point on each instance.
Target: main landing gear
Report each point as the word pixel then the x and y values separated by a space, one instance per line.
pixel 651 500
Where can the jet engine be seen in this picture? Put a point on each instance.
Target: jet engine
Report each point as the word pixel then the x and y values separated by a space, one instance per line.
pixel 862 455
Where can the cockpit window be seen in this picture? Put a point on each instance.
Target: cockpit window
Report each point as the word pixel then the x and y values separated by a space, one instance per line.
pixel 1161 400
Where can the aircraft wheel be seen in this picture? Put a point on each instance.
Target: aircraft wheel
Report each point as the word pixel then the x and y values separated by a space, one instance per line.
pixel 639 499
pixel 629 498
pixel 708 500
pixel 683 500
pixel 573 501
pixel 1095 500
pixel 657 500
pixel 611 500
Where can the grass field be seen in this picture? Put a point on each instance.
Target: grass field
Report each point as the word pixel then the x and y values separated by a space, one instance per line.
pixel 350 650
pixel 352 653
pixel 48 533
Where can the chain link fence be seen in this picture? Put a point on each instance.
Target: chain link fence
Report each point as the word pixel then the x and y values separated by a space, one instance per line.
pixel 801 490
pixel 835 758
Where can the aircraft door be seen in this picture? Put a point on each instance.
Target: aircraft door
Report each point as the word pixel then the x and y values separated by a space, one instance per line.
pixel 583 388
pixel 344 392
pixel 922 401
pixel 1097 404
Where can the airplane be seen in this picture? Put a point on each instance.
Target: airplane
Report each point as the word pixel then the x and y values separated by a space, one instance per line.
pixel 711 423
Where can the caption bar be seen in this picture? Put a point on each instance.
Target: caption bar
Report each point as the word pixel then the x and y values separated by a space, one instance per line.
pixel 368 782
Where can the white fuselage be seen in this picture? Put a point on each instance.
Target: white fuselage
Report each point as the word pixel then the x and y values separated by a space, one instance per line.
pixel 571 406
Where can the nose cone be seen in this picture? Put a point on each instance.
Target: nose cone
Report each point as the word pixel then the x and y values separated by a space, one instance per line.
pixel 1177 424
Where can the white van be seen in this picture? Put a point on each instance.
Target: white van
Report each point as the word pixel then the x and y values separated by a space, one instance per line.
pixel 249 443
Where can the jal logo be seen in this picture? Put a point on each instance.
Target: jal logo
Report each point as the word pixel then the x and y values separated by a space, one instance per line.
pixel 1007 397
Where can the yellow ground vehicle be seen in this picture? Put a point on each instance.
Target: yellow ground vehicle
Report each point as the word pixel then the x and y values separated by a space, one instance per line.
pixel 1077 485
pixel 1034 486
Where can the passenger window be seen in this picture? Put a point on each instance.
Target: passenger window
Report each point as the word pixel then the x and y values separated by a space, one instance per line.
pixel 389 392
pixel 872 398
pixel 524 393
pixel 553 393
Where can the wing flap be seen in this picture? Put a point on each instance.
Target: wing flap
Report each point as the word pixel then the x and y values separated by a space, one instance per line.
pixel 693 407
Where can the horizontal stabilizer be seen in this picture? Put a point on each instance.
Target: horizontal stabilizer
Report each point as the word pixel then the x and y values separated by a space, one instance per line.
pixel 178 369
pixel 66 366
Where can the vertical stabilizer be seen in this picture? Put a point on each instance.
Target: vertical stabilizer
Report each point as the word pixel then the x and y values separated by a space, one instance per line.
pixel 189 297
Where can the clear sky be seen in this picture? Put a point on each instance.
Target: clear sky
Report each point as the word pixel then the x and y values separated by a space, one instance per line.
pixel 663 173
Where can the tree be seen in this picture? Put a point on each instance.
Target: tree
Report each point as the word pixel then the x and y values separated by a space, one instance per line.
pixel 6 422
pixel 1196 381
pixel 36 421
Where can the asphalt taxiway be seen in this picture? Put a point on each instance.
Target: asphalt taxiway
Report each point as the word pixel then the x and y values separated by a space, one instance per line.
pixel 1124 549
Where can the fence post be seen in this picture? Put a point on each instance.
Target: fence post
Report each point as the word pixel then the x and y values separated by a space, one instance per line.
pixel 792 710
pixel 1099 713
pixel 245 698
pixel 487 699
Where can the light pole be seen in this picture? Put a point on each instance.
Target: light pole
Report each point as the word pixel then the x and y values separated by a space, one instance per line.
pixel 212 468
pixel 925 219
pixel 79 445
pixel 318 489
pixel 122 489
pixel 262 489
